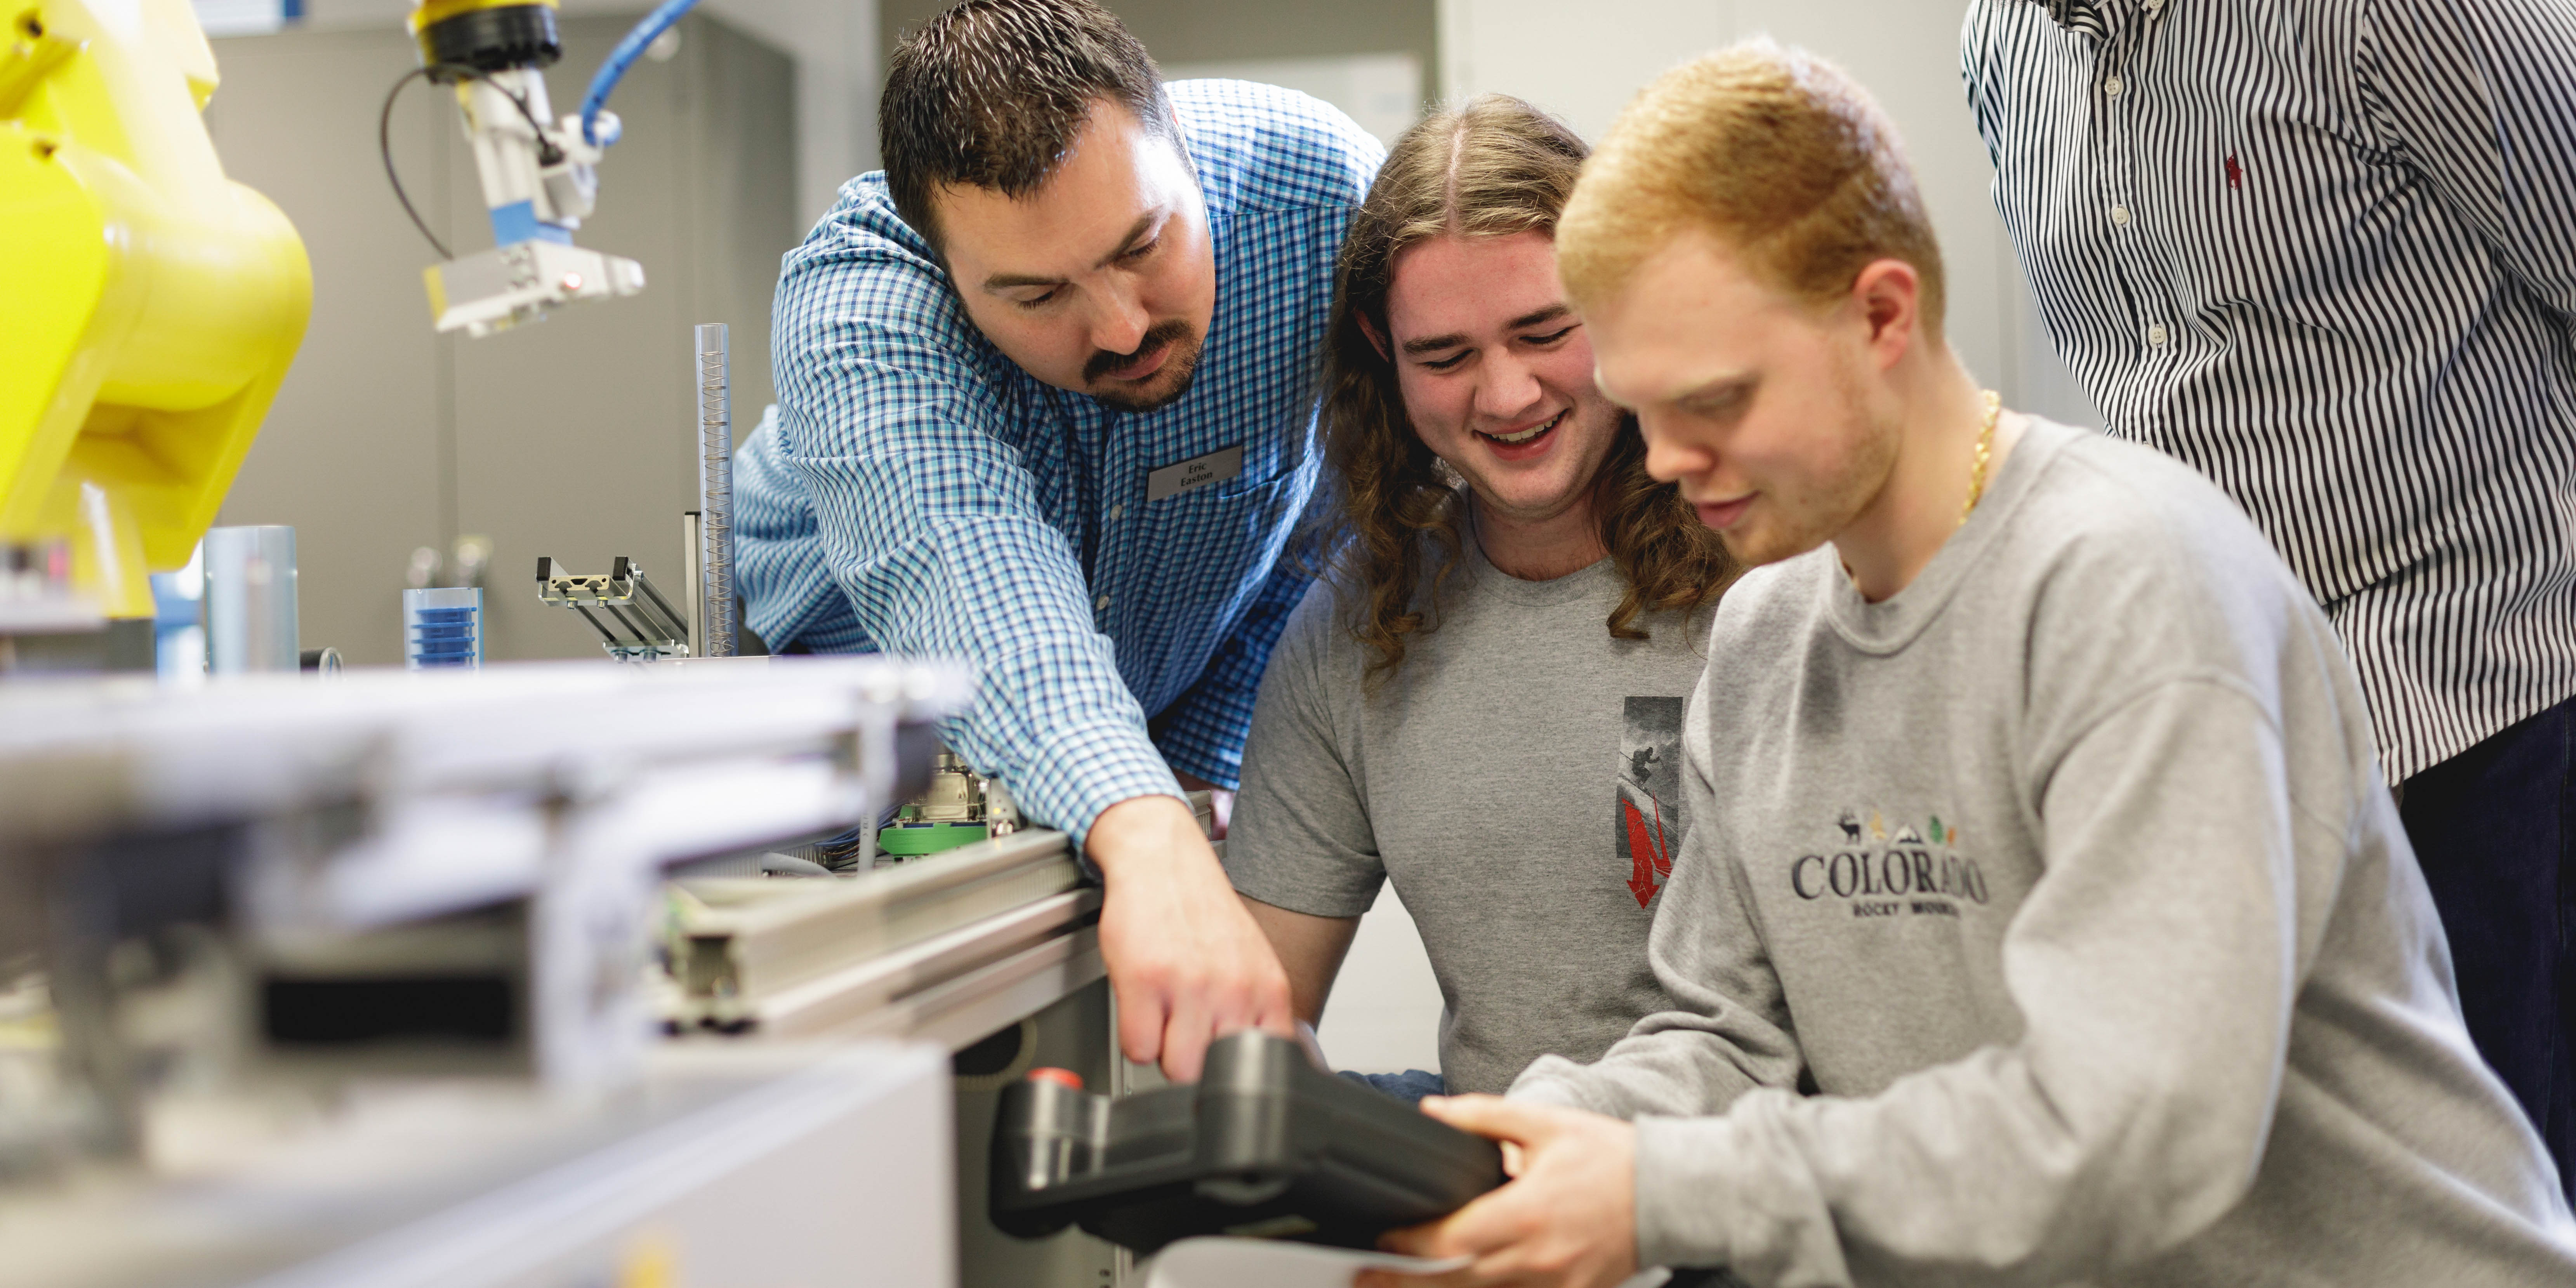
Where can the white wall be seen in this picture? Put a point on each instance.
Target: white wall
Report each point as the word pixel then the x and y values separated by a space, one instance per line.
pixel 1384 1012
pixel 834 43
pixel 1581 62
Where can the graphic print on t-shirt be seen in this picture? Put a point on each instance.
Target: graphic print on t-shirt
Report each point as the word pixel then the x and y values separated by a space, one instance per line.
pixel 1650 793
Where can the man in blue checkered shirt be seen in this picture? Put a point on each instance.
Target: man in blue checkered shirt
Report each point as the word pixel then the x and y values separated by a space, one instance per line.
pixel 1046 402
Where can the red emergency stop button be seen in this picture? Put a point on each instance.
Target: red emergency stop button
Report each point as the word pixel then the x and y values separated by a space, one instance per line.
pixel 1060 1077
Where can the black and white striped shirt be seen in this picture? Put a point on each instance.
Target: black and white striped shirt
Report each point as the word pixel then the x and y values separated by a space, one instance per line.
pixel 2325 251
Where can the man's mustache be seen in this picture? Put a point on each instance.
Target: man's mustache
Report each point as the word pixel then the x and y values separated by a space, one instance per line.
pixel 1156 337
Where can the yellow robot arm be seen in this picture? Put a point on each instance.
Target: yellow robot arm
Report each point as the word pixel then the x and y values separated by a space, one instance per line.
pixel 149 307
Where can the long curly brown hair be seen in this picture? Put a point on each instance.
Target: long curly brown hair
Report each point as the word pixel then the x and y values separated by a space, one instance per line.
pixel 1398 514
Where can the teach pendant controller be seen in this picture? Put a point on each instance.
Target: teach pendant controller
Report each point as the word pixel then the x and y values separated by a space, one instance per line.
pixel 1265 1144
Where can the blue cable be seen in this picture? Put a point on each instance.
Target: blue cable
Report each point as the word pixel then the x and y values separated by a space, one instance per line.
pixel 613 68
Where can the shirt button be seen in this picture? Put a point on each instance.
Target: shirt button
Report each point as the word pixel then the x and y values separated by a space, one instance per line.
pixel 2113 86
pixel 2120 215
pixel 2155 336
pixel 1117 512
pixel 1102 603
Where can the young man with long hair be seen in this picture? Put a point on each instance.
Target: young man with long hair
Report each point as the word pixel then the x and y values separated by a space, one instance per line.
pixel 2038 835
pixel 1482 700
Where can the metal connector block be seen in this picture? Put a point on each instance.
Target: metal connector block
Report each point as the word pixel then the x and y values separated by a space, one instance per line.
pixel 634 622
pixel 507 285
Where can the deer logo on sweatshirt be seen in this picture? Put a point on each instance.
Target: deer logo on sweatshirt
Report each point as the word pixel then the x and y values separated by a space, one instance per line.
pixel 1917 873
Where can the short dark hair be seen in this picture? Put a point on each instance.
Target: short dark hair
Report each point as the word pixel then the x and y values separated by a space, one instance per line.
pixel 991 93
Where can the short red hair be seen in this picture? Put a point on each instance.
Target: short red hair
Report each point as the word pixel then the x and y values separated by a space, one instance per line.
pixel 1776 151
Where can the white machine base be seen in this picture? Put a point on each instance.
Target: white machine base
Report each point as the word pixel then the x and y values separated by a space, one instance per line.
pixel 745 1167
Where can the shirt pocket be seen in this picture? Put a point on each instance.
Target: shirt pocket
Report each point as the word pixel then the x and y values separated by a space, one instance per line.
pixel 2262 215
pixel 1210 541
pixel 1189 571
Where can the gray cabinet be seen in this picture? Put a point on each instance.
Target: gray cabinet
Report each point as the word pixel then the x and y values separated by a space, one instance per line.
pixel 575 437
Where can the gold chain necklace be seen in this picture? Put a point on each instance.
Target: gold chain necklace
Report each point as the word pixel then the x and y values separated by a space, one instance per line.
pixel 1985 453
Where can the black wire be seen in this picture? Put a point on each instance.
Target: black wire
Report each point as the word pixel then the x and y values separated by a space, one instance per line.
pixel 547 152
pixel 385 145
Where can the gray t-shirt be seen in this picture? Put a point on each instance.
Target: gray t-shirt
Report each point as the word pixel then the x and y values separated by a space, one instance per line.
pixel 1519 782
pixel 2067 876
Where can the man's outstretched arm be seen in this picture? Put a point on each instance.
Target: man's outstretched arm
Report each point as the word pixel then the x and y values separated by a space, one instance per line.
pixel 934 531
pixel 1186 961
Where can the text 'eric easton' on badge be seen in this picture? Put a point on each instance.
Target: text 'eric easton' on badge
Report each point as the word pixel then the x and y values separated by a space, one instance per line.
pixel 1198 471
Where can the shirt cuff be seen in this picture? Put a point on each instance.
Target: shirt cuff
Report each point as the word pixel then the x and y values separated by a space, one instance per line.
pixel 1076 773
pixel 1728 1192
pixel 1685 1191
pixel 1555 1080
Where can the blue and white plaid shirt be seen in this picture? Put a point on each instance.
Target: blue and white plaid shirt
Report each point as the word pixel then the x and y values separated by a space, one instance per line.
pixel 918 493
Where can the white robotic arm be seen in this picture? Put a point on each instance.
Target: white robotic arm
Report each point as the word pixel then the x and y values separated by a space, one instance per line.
pixel 538 174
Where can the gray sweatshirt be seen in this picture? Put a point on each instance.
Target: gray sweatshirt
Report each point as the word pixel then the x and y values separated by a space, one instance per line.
pixel 2067 880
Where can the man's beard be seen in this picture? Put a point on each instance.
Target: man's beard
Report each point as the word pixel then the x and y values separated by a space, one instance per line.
pixel 1164 387
pixel 1801 519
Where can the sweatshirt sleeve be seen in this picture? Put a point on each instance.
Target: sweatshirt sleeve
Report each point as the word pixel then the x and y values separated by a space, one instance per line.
pixel 1729 1031
pixel 2154 966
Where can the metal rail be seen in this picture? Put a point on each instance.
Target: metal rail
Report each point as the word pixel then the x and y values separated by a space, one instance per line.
pixel 928 949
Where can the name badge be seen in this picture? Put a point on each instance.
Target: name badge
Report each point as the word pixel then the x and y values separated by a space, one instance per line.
pixel 1198 471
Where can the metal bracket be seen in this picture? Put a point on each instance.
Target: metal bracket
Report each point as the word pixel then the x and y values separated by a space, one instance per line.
pixel 645 626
